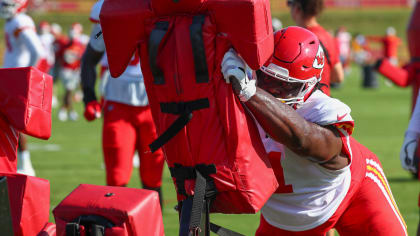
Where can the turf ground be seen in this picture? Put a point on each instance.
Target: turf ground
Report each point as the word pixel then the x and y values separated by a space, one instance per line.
pixel 73 153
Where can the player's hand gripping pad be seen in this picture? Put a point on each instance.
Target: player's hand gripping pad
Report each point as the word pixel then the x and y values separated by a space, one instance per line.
pixel 122 211
pixel 180 56
pixel 25 203
pixel 25 100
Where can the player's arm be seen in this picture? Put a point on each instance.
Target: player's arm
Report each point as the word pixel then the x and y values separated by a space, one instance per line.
pixel 32 42
pixel 305 138
pixel 411 140
pixel 283 123
pixel 337 70
pixel 337 73
pixel 91 57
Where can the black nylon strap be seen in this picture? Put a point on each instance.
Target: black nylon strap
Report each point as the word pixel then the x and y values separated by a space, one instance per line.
pixel 155 38
pixel 97 230
pixel 72 229
pixel 95 223
pixel 219 230
pixel 175 127
pixel 198 203
pixel 178 108
pixel 415 59
pixel 185 216
pixel 197 44
pixel 182 173
pixel 6 224
pixel 184 109
pixel 327 54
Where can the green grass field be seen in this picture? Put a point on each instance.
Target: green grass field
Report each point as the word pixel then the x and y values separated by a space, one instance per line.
pixel 73 153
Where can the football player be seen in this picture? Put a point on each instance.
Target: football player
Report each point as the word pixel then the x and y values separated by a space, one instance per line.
pixel 128 125
pixel 70 71
pixel 304 13
pixel 47 40
pixel 23 48
pixel 326 179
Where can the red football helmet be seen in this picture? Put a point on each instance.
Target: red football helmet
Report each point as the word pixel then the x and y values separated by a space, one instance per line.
pixel 44 27
pixel 295 67
pixel 9 8
pixel 75 31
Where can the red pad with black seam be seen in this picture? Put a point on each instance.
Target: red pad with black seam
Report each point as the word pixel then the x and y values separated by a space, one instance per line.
pixel 131 211
pixel 25 100
pixel 131 17
pixel 223 134
pixel 29 202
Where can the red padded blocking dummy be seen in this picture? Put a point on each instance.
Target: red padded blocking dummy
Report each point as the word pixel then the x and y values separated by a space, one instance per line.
pixel 181 46
pixel 132 211
pixel 25 100
pixel 25 106
pixel 29 202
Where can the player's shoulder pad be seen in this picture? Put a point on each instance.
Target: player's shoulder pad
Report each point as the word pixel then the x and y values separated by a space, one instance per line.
pixel 22 20
pixel 324 110
pixel 96 10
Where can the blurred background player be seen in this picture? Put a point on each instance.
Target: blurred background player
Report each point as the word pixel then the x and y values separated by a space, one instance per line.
pixel 304 13
pixel 390 43
pixel 364 56
pixel 343 39
pixel 128 125
pixel 23 48
pixel 60 40
pixel 70 71
pixel 47 40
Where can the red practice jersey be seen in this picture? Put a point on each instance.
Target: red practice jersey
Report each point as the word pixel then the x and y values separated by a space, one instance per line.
pixel 331 53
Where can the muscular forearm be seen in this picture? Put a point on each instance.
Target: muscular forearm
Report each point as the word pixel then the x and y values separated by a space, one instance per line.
pixel 337 73
pixel 286 126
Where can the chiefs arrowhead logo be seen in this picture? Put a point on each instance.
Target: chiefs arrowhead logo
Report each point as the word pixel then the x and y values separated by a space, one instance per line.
pixel 319 59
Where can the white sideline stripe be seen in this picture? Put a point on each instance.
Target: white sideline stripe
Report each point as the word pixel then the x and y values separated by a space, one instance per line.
pixel 378 167
pixel 44 147
pixel 385 193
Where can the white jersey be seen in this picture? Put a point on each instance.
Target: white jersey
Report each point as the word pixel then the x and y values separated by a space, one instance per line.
pixel 129 87
pixel 23 46
pixel 414 125
pixel 47 40
pixel 309 194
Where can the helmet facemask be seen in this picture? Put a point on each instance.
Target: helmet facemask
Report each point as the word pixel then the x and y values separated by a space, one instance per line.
pixel 289 90
pixel 9 8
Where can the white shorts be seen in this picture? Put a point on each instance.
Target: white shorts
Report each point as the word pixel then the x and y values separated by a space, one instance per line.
pixel 70 78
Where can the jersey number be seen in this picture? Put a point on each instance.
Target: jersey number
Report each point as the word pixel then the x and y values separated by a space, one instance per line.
pixel 275 158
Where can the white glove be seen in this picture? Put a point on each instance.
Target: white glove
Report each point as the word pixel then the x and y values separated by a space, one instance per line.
pixel 408 151
pixel 234 67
